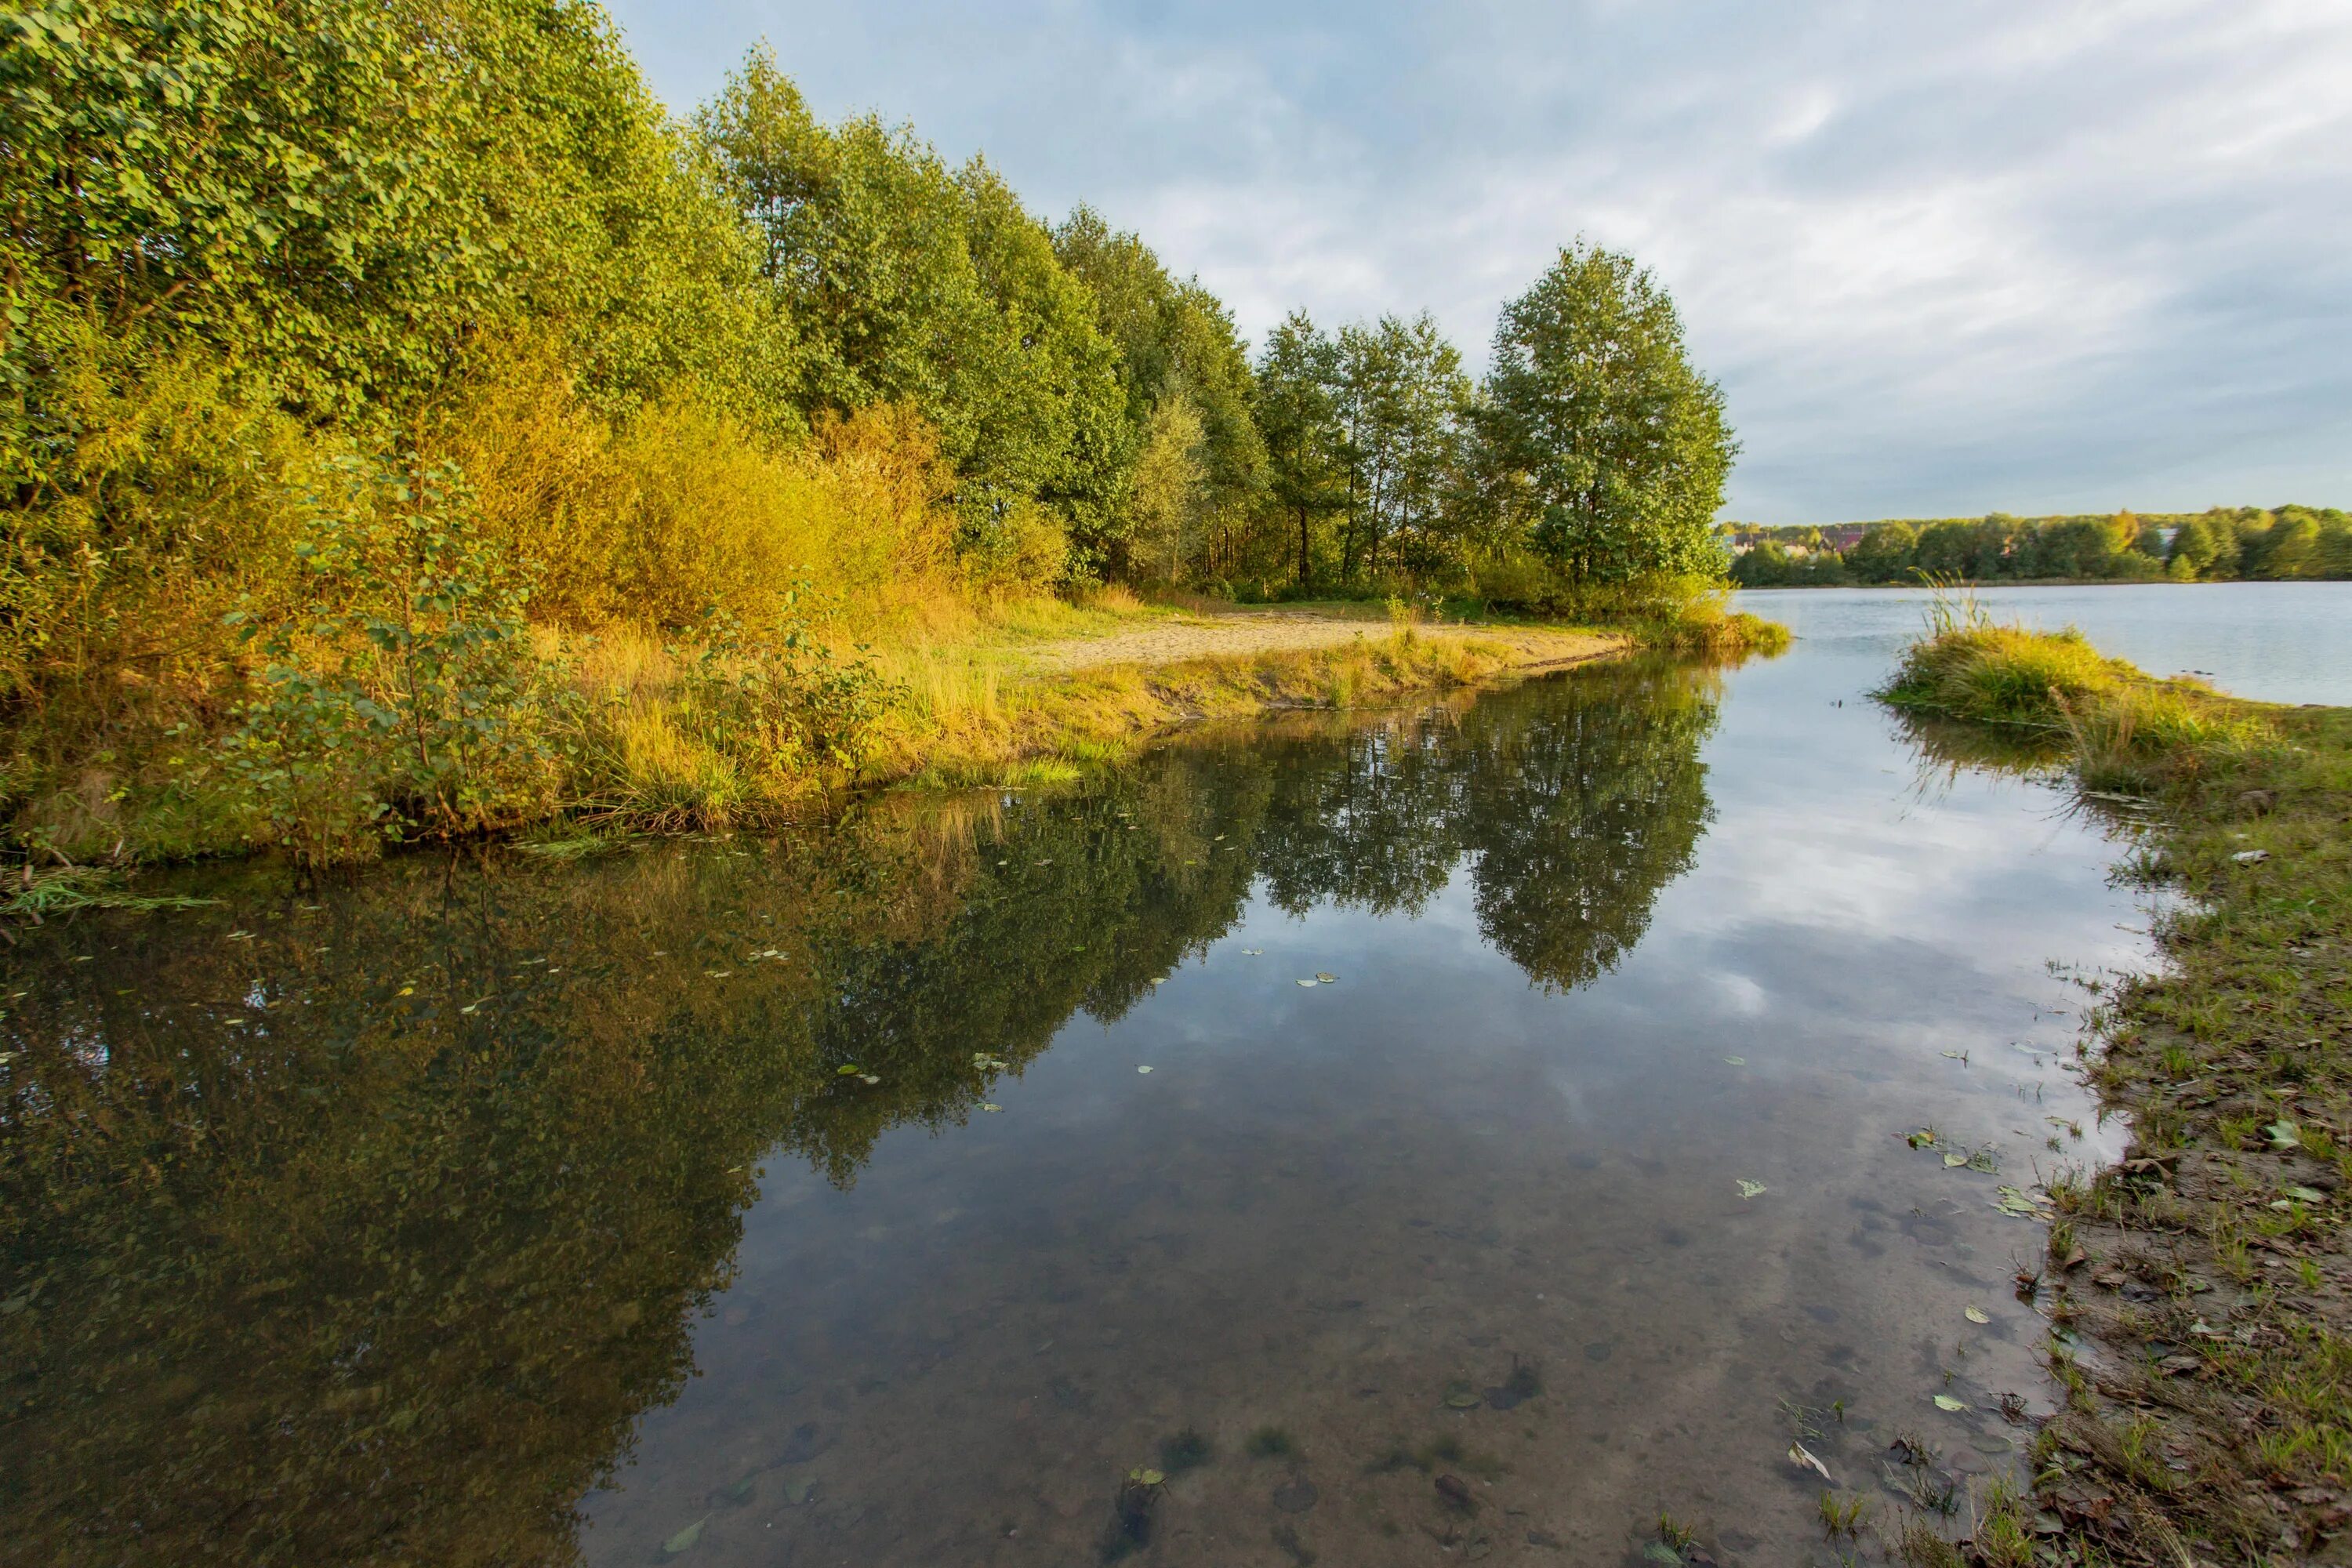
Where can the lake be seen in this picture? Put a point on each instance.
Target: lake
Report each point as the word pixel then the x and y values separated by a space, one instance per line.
pixel 2274 642
pixel 1479 1128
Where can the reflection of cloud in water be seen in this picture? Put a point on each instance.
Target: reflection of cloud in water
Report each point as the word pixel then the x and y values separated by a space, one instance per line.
pixel 1742 996
pixel 1506 1130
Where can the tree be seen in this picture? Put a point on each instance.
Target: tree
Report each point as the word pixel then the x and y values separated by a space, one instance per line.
pixel 1884 553
pixel 1171 335
pixel 1169 500
pixel 913 284
pixel 335 199
pixel 1593 397
pixel 1298 417
pixel 1402 403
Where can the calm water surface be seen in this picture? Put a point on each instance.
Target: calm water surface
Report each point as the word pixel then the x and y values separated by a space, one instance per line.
pixel 2276 642
pixel 749 1201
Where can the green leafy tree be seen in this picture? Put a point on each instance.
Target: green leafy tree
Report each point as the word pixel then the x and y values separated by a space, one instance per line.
pixel 1884 553
pixel 1624 444
pixel 1168 499
pixel 2197 549
pixel 1172 336
pixel 338 196
pixel 1402 404
pixel 1298 415
pixel 910 283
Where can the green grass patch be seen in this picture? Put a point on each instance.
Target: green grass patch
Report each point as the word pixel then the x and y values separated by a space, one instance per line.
pixel 2216 1424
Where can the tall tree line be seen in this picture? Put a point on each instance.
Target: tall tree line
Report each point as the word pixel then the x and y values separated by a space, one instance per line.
pixel 1592 445
pixel 242 241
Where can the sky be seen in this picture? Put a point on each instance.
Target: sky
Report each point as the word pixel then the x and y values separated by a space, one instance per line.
pixel 2039 256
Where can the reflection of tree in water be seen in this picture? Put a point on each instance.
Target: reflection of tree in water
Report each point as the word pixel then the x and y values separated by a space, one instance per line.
pixel 362 1230
pixel 1579 817
pixel 1579 801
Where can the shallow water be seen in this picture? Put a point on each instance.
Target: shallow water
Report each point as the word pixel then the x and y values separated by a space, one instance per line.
pixel 498 1212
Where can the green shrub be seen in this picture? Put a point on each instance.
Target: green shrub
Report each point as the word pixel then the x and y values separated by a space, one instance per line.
pixel 410 698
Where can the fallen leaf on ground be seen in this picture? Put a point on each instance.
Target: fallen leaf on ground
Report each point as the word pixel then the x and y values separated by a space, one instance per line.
pixel 1800 1453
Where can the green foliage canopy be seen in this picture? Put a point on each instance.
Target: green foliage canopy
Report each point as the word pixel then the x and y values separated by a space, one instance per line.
pixel 1622 444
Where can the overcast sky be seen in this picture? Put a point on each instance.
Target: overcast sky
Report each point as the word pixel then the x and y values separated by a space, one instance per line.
pixel 1945 259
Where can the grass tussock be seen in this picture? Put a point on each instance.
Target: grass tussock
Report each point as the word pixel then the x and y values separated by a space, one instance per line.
pixel 2124 730
pixel 2210 1266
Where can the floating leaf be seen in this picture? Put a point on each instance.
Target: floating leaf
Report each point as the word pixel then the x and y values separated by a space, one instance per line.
pixel 1748 1189
pixel 846 1069
pixel 1736 1062
pixel 868 1078
pixel 1946 1402
pixel 1800 1453
pixel 1309 983
pixel 2018 1205
pixel 1143 1070
pixel 685 1539
pixel 1146 1478
pixel 1159 980
pixel 990 1105
pixel 1954 1161
pixel 1324 979
pixel 1923 1139
pixel 1974 1315
pixel 1956 1056
pixel 1462 1396
pixel 714 974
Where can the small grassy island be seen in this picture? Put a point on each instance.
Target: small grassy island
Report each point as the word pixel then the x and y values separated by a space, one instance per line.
pixel 2202 1297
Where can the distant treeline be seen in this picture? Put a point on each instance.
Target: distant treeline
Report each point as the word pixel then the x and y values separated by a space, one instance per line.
pixel 2278 544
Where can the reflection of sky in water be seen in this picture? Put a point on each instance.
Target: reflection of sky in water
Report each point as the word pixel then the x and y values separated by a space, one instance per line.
pixel 502 1128
pixel 1488 1169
